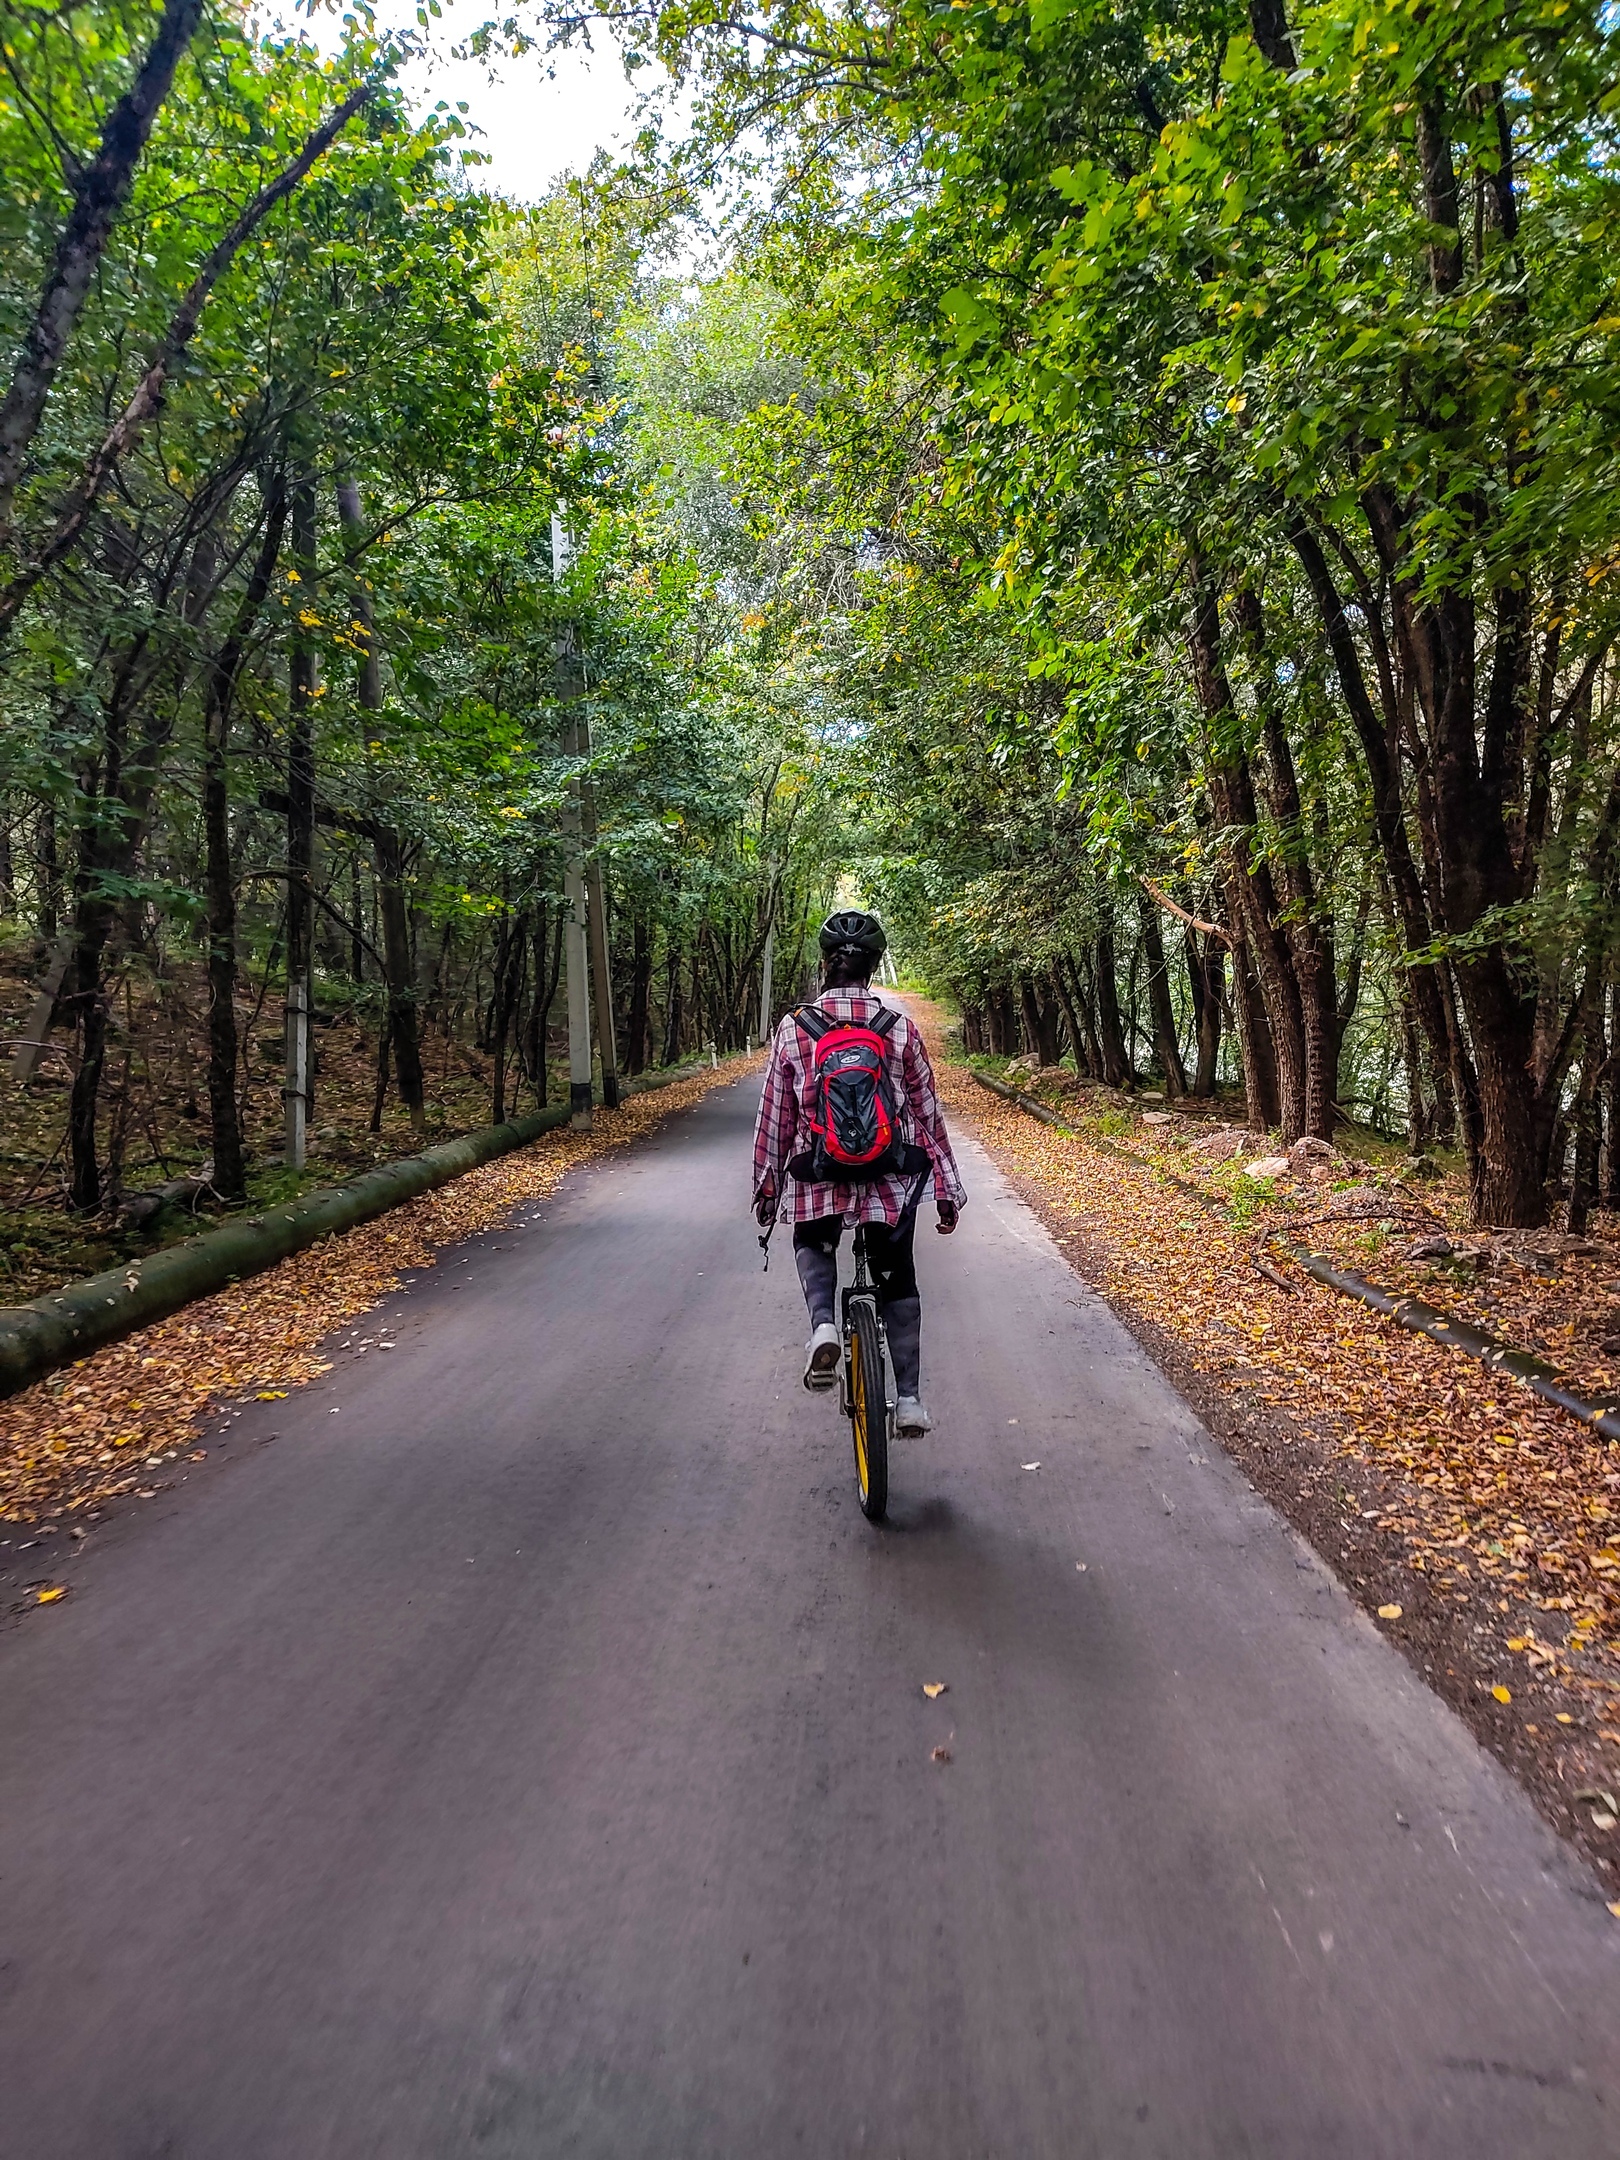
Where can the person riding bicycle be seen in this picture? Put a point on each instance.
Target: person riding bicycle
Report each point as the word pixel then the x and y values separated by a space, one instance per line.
pixel 852 943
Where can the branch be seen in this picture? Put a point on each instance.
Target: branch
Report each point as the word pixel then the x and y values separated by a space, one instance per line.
pixel 1209 929
pixel 294 877
pixel 149 391
pixel 101 190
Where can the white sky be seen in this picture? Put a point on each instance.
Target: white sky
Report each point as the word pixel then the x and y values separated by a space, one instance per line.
pixel 540 116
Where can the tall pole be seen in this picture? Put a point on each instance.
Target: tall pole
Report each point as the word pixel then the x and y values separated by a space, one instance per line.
pixel 576 966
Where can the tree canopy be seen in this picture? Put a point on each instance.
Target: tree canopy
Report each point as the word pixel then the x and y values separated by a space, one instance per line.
pixel 1136 501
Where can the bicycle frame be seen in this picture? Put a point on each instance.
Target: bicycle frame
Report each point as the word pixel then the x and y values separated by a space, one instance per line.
pixel 863 1290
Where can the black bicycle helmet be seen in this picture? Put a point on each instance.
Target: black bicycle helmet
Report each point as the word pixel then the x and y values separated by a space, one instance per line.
pixel 852 931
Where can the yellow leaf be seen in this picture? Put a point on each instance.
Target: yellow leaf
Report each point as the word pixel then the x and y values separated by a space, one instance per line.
pixel 1615 1908
pixel 49 1597
pixel 1518 1642
pixel 931 1688
pixel 275 1394
pixel 1389 1612
pixel 1564 1718
pixel 1502 1694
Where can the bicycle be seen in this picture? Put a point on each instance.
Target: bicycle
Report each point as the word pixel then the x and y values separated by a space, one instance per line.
pixel 866 1385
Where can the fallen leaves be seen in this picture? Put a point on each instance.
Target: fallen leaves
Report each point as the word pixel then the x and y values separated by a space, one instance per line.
pixel 940 1754
pixel 933 1689
pixel 51 1593
pixel 1389 1612
pixel 257 1341
pixel 1502 1694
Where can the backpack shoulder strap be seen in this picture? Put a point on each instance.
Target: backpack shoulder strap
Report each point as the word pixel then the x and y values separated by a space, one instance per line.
pixel 814 1021
pixel 883 1021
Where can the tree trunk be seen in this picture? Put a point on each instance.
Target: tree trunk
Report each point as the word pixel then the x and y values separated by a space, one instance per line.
pixel 100 190
pixel 1116 1064
pixel 1254 1041
pixel 50 874
pixel 230 1169
pixel 1206 977
pixel 1166 1041
pixel 92 922
pixel 507 978
pixel 637 1046
pixel 302 690
pixel 1252 896
pixel 1040 1020
pixel 1586 1117
pixel 1309 937
pixel 674 1007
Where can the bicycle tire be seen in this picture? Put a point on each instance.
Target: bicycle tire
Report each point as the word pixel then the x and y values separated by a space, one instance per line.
pixel 868 1413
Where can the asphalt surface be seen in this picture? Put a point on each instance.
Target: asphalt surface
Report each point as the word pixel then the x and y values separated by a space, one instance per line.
pixel 532 1760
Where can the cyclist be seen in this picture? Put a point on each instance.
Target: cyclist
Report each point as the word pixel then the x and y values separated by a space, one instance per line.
pixel 852 943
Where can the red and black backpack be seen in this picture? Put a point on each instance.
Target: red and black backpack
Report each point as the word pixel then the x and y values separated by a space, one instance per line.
pixel 855 1120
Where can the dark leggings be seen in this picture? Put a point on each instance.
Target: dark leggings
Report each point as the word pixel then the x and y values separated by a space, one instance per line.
pixel 888 1253
pixel 894 1270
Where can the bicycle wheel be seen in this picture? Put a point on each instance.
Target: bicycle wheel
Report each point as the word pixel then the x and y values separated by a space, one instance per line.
pixel 868 1413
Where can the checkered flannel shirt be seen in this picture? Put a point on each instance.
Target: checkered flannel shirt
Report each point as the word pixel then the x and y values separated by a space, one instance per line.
pixel 782 1128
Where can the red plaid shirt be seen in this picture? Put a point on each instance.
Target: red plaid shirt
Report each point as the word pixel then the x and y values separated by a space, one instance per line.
pixel 782 1128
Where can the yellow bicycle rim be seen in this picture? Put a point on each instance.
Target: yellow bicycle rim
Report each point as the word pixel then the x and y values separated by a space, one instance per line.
pixel 857 1396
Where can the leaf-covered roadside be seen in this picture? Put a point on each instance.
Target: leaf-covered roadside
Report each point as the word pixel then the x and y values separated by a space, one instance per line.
pixel 1492 1521
pixel 110 1425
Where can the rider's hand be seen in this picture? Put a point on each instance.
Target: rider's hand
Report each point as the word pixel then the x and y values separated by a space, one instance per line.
pixel 947 1216
pixel 765 1210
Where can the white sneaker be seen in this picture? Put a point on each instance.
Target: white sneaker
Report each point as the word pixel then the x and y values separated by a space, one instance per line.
pixel 911 1418
pixel 821 1357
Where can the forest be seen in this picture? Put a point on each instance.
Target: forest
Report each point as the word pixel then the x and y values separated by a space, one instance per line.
pixel 1132 495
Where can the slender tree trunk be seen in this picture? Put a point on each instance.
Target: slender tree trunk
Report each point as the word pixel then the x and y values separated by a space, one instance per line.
pixel 1040 1020
pixel 230 1170
pixel 674 1007
pixel 392 906
pixel 403 1031
pixel 637 1048
pixel 1166 1042
pixel 302 689
pixel 1206 976
pixel 1587 1120
pixel 1116 1063
pixel 1251 894
pixel 100 190
pixel 1071 1018
pixel 50 874
pixel 1254 1039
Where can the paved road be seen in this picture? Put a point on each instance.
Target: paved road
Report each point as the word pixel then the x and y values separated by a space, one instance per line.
pixel 531 1761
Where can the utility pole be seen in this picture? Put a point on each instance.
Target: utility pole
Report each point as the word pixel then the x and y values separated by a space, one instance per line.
pixel 576 965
